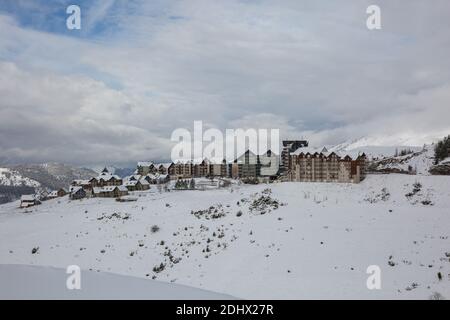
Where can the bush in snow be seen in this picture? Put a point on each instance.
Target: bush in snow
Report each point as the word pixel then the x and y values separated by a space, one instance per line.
pixel 158 269
pixel 154 228
pixel 181 185
pixel 263 204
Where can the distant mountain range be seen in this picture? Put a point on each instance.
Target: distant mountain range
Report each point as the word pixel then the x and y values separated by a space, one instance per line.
pixel 120 171
pixel 25 179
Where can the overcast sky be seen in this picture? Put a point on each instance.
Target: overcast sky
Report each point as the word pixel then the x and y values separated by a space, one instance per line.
pixel 114 91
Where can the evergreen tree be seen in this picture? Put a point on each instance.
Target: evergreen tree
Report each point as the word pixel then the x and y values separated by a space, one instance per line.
pixel 442 149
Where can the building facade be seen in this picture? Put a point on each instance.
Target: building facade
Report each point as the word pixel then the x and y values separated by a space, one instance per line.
pixel 288 147
pixel 312 165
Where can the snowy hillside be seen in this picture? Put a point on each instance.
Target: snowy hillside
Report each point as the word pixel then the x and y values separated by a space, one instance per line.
pixel 418 162
pixel 13 185
pixel 33 282
pixel 53 175
pixel 284 240
pixel 13 178
pixel 374 148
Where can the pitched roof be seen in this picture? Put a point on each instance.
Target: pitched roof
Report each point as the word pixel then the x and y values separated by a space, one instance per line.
pixel 122 188
pixel 107 177
pixel 109 189
pixel 75 189
pixel 305 150
pixel 53 193
pixel 165 165
pixel 81 182
pixel 28 197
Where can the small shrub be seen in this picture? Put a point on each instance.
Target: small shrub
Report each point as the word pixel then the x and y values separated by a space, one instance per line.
pixel 158 269
pixel 154 228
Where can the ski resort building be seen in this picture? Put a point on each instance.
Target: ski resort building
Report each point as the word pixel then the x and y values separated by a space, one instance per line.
pixel 137 185
pixel 288 147
pixel 77 192
pixel 164 168
pixel 251 165
pixel 105 179
pixel 56 194
pixel 145 167
pixel 157 178
pixel 110 191
pixel 218 168
pixel 319 165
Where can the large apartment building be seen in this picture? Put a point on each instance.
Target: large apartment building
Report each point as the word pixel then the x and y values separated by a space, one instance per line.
pixel 288 147
pixel 250 164
pixel 319 165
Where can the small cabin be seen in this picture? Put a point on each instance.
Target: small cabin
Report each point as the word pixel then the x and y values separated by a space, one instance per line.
pixel 28 200
pixel 77 193
pixel 57 194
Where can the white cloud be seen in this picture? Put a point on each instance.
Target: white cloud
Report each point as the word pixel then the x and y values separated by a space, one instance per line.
pixel 309 68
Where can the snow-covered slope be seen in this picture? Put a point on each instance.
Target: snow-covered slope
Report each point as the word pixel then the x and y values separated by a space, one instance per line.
pixel 296 240
pixel 13 185
pixel 33 282
pixel 13 178
pixel 53 175
pixel 418 162
pixel 374 148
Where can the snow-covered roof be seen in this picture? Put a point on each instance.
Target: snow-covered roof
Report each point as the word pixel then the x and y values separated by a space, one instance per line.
pixel 97 190
pixel 165 165
pixel 157 176
pixel 122 188
pixel 200 160
pixel 28 197
pixel 53 193
pixel 107 177
pixel 183 161
pixel 134 177
pixel 354 154
pixel 81 182
pixel 305 150
pixel 75 189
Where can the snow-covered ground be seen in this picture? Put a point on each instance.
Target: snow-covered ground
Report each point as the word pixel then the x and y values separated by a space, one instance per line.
pixel 299 241
pixel 34 282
